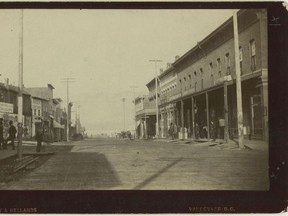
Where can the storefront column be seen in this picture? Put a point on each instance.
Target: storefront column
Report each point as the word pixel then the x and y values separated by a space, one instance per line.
pixel 264 105
pixel 193 119
pixel 226 129
pixel 207 114
pixel 182 119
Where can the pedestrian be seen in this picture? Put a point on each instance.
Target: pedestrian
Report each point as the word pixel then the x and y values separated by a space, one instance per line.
pixel 175 131
pixel 170 131
pixel 39 138
pixel 12 135
pixel 1 135
pixel 212 130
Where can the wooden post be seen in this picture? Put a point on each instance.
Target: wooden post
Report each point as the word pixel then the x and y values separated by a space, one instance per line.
pixel 226 128
pixel 207 115
pixel 182 118
pixel 238 82
pixel 20 89
pixel 193 119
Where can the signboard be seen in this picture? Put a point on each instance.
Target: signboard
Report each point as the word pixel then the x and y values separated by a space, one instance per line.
pixel 6 107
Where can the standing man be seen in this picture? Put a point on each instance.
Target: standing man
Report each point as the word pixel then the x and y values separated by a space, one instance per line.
pixel 1 135
pixel 12 135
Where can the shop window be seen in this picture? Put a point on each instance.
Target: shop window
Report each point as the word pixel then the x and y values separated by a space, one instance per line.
pixel 227 63
pixel 253 54
pixel 241 59
pixel 219 67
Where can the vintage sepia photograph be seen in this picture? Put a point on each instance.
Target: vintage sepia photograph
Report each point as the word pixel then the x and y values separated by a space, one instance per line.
pixel 100 99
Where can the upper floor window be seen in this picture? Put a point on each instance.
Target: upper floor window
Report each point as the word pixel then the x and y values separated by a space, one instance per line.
pixel 227 63
pixel 210 67
pixel 219 67
pixel 38 112
pixel 201 72
pixel 253 54
pixel 35 112
pixel 195 74
pixel 241 58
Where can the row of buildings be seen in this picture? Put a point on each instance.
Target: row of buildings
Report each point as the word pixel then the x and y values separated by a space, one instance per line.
pixel 199 88
pixel 40 110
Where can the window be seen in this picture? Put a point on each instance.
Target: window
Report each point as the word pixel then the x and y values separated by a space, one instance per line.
pixel 35 112
pixel 241 58
pixel 38 112
pixel 212 80
pixel 210 67
pixel 195 74
pixel 227 63
pixel 190 81
pixel 253 54
pixel 219 67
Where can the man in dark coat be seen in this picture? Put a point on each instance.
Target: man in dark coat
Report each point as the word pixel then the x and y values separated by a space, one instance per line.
pixel 12 135
pixel 39 139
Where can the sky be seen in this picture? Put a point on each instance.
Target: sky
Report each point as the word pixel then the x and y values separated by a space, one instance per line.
pixel 104 51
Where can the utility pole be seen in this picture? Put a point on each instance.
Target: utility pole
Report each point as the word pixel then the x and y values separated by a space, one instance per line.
pixel 20 88
pixel 123 99
pixel 133 87
pixel 238 82
pixel 156 91
pixel 68 80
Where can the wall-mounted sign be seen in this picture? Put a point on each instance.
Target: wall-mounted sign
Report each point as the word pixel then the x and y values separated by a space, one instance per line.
pixel 6 107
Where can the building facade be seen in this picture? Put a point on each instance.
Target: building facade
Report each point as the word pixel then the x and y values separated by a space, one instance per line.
pixel 198 91
pixel 9 108
pixel 145 117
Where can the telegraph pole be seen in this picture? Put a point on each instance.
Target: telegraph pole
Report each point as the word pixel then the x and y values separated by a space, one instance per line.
pixel 20 88
pixel 123 99
pixel 133 87
pixel 68 80
pixel 238 82
pixel 156 90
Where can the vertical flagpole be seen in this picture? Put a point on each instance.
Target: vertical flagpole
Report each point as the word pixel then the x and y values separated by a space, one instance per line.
pixel 238 81
pixel 20 88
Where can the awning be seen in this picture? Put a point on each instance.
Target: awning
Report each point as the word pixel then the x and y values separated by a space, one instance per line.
pixel 57 125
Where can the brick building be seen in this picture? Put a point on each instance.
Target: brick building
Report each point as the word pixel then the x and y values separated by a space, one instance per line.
pixel 192 88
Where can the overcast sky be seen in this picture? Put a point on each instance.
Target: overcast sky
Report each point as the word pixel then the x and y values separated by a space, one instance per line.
pixel 106 51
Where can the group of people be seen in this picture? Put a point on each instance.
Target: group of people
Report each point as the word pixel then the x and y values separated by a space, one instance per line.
pixel 11 135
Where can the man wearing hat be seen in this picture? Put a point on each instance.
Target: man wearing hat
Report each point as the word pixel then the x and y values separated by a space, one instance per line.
pixel 12 135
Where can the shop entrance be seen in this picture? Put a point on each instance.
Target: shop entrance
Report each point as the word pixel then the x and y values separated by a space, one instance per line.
pixel 256 117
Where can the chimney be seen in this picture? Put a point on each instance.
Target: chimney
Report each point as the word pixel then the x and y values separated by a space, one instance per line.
pixel 161 70
pixel 177 57
pixel 169 65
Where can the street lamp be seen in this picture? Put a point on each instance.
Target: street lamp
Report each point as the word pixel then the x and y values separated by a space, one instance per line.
pixel 156 90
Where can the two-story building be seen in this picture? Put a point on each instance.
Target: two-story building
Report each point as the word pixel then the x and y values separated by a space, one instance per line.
pixel 47 113
pixel 199 89
pixel 145 117
pixel 9 108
